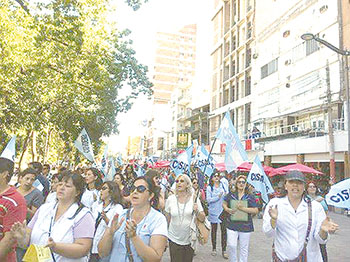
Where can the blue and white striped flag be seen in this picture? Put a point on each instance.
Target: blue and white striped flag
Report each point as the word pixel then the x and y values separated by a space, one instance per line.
pixel 182 163
pixel 259 180
pixel 235 153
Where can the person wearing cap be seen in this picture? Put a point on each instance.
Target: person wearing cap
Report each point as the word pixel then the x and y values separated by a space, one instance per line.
pixel 287 220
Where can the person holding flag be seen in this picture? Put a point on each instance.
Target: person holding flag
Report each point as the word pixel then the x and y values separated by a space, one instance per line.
pixel 239 228
pixel 294 214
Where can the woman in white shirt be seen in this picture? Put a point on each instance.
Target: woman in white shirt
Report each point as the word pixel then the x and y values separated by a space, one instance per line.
pixel 93 180
pixel 103 212
pixel 287 217
pixel 66 227
pixel 179 209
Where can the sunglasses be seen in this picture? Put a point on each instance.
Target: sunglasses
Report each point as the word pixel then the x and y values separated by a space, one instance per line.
pixel 216 176
pixel 179 181
pixel 104 188
pixel 312 186
pixel 194 183
pixel 241 182
pixel 139 189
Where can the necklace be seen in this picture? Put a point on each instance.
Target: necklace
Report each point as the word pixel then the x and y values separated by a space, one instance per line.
pixel 181 216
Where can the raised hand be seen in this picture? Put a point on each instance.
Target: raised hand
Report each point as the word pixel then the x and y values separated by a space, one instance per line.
pixel 329 226
pixel 115 225
pixel 130 228
pixel 19 231
pixel 273 212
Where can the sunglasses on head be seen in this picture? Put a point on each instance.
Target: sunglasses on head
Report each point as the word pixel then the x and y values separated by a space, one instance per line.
pixel 139 189
pixel 179 180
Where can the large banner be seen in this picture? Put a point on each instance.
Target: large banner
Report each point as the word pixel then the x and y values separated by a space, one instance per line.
pixel 202 161
pixel 181 164
pixel 235 153
pixel 83 144
pixel 259 180
pixel 339 194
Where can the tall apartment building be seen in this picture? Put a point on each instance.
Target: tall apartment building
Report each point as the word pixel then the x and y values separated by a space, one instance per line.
pixel 174 67
pixel 233 38
pixel 291 90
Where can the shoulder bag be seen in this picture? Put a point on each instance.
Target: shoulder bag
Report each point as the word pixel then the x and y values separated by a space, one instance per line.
pixel 203 228
pixel 302 256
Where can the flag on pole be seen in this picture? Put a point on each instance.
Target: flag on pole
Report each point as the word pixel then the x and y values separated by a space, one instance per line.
pixel 10 150
pixel 104 161
pixel 235 153
pixel 259 180
pixel 83 144
pixel 120 161
pixel 202 160
pixel 181 164
pixel 150 161
pixel 339 194
pixel 139 172
pixel 111 171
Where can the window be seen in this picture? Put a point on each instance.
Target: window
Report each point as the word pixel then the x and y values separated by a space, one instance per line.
pixel 311 47
pixel 160 145
pixel 269 68
pixel 248 81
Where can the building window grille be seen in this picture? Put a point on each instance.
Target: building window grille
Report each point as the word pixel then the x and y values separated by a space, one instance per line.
pixel 269 68
pixel 311 47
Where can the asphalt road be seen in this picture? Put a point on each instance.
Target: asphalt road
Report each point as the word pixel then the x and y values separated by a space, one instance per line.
pixel 338 246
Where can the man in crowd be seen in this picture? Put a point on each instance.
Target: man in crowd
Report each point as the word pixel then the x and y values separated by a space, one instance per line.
pixel 12 209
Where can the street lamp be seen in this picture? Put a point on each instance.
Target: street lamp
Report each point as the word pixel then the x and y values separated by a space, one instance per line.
pixel 345 54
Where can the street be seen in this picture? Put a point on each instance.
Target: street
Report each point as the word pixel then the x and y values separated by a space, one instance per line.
pixel 260 246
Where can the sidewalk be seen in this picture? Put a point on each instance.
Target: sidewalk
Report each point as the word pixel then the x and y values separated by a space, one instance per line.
pixel 338 246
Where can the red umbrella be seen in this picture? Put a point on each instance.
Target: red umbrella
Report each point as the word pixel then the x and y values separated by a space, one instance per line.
pixel 246 166
pixel 161 164
pixel 299 167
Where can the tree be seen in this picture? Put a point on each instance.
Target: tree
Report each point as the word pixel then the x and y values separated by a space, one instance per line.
pixel 62 67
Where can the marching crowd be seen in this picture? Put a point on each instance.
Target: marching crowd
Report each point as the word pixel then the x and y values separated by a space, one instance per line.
pixel 80 216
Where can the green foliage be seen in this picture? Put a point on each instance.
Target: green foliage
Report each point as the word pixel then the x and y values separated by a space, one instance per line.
pixel 62 66
pixel 135 4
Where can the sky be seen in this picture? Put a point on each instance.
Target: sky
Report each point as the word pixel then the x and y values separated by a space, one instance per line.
pixel 159 16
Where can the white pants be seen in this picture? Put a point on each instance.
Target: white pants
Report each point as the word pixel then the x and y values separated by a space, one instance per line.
pixel 232 239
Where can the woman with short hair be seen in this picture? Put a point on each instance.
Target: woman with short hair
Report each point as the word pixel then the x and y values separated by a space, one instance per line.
pixel 293 214
pixel 66 227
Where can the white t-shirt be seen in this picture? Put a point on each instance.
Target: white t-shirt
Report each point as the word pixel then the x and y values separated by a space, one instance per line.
pixel 51 198
pixel 89 197
pixel 111 210
pixel 181 217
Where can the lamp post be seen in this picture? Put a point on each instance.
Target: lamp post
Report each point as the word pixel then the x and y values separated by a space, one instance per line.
pixel 345 54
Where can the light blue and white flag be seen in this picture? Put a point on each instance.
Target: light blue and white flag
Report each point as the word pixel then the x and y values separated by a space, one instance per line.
pixel 83 144
pixel 339 194
pixel 150 161
pixel 235 153
pixel 120 161
pixel 10 150
pixel 111 171
pixel 182 163
pixel 139 172
pixel 259 180
pixel 202 160
pixel 104 161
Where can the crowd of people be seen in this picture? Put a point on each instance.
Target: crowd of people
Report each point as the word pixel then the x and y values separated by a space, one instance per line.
pixel 80 216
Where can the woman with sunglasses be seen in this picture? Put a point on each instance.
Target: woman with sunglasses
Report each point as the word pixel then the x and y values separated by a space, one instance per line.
pixel 66 227
pixel 139 233
pixel 216 191
pixel 312 190
pixel 239 230
pixel 179 209
pixel 104 212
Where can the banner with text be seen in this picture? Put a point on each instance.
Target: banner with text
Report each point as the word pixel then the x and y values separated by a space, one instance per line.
pixel 339 194
pixel 181 164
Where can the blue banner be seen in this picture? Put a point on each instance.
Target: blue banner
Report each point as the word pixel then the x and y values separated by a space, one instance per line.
pixel 339 194
pixel 259 180
pixel 182 163
pixel 202 161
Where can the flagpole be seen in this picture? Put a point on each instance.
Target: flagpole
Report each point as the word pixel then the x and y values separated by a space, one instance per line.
pixel 211 149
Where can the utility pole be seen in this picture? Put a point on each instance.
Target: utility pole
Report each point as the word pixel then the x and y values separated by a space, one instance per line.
pixel 330 127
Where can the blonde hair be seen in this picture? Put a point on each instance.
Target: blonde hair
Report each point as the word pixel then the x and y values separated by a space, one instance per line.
pixel 189 189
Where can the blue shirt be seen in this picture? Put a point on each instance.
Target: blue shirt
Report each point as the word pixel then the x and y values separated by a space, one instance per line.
pixel 215 202
pixel 241 226
pixel 154 223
